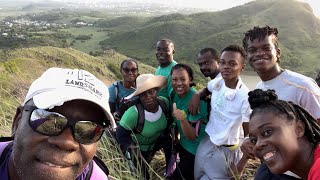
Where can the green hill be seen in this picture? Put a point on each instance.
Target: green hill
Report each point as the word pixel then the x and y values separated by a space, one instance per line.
pixel 19 67
pixel 299 32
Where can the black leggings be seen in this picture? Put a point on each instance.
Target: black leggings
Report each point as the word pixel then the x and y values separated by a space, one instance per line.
pixel 185 167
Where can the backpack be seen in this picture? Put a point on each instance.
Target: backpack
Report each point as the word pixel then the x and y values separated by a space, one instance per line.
pixel 141 116
pixel 4 150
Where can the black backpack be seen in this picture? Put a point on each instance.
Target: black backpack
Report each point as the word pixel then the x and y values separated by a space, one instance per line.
pixel 141 116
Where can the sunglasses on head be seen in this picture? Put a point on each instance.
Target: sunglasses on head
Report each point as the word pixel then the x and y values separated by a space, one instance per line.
pixel 52 124
pixel 127 70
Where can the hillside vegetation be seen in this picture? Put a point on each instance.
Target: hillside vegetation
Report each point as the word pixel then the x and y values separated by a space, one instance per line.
pixel 19 67
pixel 135 36
pixel 299 32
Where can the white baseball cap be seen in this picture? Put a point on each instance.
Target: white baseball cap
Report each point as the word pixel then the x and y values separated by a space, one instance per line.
pixel 58 85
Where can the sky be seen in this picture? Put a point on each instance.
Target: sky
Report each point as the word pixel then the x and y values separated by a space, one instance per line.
pixel 209 4
pixel 226 4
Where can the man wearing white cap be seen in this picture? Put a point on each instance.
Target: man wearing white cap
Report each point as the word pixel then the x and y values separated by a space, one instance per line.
pixel 55 131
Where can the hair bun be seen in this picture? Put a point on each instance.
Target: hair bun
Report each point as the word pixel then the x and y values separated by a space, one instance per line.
pixel 259 97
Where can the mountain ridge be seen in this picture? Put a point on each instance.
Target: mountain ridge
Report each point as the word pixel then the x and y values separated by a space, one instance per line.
pixel 299 32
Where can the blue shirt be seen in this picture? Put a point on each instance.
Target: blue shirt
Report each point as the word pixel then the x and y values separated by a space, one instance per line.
pixel 121 91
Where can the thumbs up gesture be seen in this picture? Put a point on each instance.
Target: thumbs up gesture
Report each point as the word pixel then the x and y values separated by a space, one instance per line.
pixel 179 114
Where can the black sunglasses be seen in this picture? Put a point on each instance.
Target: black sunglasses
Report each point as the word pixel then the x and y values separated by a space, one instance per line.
pixel 127 70
pixel 52 124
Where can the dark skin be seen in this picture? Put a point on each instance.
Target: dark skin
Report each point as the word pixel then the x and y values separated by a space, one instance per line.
pixel 164 53
pixel 209 68
pixel 129 72
pixel 264 58
pixel 30 160
pixel 281 143
pixel 180 84
pixel 208 65
pixel 149 100
pixel 230 65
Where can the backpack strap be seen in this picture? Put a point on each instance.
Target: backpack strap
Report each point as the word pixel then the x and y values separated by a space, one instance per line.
pixel 101 165
pixel 116 90
pixel 92 173
pixel 141 117
pixel 166 110
pixel 5 151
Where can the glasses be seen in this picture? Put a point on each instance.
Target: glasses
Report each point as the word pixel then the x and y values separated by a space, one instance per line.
pixel 52 124
pixel 127 70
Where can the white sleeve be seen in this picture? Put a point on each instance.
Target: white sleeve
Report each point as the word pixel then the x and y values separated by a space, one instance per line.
pixel 246 111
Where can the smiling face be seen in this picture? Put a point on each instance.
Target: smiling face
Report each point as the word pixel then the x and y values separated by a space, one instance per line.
pixel 180 81
pixel 275 141
pixel 231 64
pixel 263 55
pixel 164 53
pixel 129 71
pixel 208 65
pixel 36 156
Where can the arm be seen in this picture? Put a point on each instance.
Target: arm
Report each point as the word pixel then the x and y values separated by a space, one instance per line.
pixel 186 127
pixel 195 100
pixel 112 98
pixel 124 138
pixel 112 106
pixel 127 123
pixel 245 126
pixel 242 164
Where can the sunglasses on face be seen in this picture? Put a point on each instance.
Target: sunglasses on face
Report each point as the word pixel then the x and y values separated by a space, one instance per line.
pixel 52 124
pixel 127 70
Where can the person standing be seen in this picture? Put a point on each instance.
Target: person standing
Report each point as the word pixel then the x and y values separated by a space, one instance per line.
pixel 164 53
pixel 262 47
pixel 218 154
pixel 120 89
pixel 190 127
pixel 208 59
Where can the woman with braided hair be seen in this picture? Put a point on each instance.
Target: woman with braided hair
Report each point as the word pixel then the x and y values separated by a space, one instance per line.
pixel 285 136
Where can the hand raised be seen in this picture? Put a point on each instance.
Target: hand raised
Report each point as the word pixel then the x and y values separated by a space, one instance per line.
pixel 178 114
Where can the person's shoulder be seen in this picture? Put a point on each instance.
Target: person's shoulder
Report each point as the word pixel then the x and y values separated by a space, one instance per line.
pixel 291 75
pixel 164 99
pixel 314 173
pixel 174 62
pixel 299 79
pixel 215 83
pixel 99 170
pixel 244 88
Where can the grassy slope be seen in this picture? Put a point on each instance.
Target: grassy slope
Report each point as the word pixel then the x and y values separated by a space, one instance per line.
pixel 18 68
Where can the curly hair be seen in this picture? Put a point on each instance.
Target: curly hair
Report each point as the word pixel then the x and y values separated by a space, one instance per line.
pixel 260 33
pixel 267 101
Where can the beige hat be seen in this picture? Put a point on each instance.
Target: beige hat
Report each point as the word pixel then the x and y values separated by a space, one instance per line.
pixel 148 81
pixel 58 85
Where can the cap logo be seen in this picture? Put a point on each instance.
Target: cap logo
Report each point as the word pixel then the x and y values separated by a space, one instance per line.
pixel 83 80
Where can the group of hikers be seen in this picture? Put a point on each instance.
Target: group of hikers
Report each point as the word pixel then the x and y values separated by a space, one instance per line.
pixel 210 133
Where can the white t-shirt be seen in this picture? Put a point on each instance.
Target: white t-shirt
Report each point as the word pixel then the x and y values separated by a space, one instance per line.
pixel 295 87
pixel 229 109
